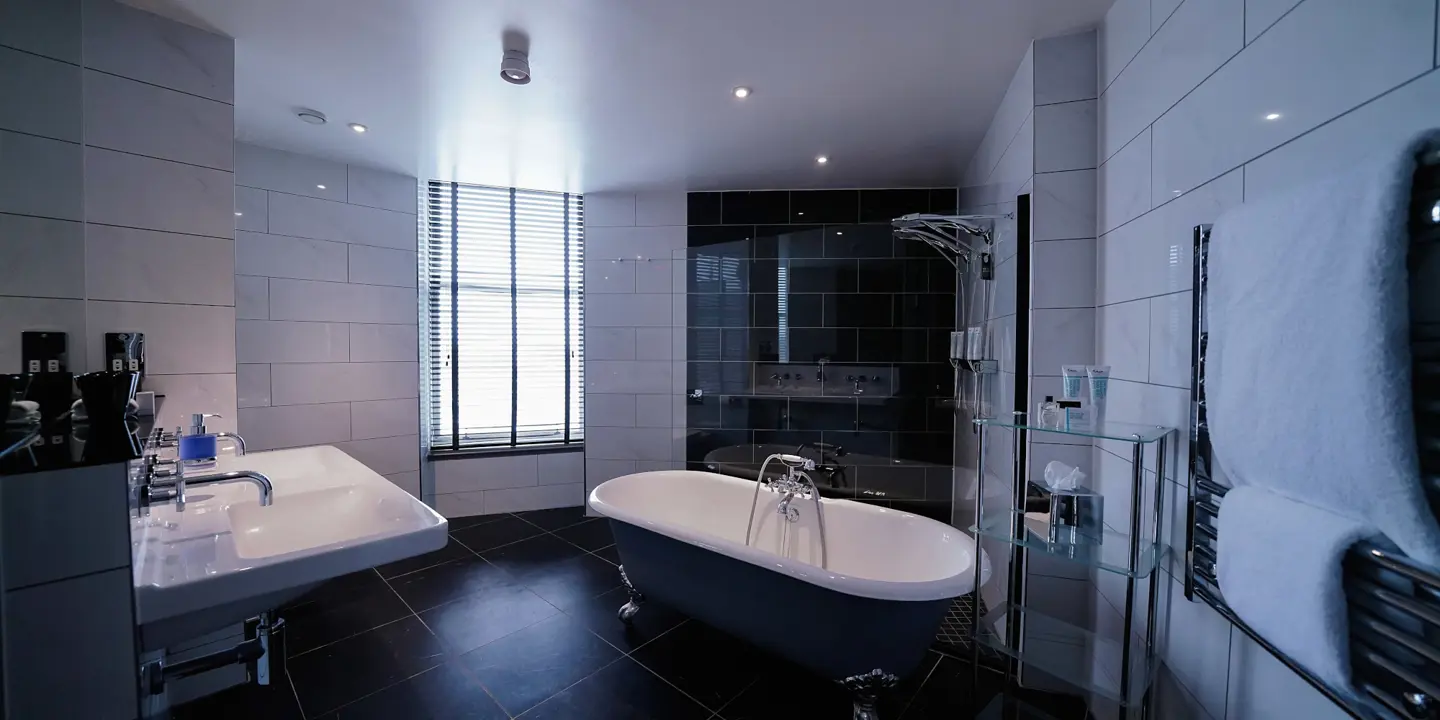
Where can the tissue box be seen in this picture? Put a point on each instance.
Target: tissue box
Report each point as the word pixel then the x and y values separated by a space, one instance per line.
pixel 1076 516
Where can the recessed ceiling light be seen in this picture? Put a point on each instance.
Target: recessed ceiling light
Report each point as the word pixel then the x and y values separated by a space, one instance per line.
pixel 238 213
pixel 802 212
pixel 322 187
pixel 741 92
pixel 839 232
pixel 822 159
pixel 313 117
pixel 357 127
pixel 1273 116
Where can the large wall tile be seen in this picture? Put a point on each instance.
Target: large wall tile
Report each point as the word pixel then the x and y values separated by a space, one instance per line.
pixel 608 243
pixel 269 428
pixel 295 384
pixel 384 418
pixel 1376 127
pixel 636 376
pixel 1068 339
pixel 603 443
pixel 609 210
pixel 1063 274
pixel 158 267
pixel 659 207
pixel 251 211
pixel 657 343
pixel 252 386
pixel 1316 63
pixel 1261 688
pixel 486 473
pixel 252 298
pixel 1014 108
pixel 1064 205
pixel 382 266
pixel 542 497
pixel 1125 30
pixel 142 192
pixel 386 456
pixel 408 481
pixel 598 471
pixel 653 276
pixel 136 44
pixel 609 410
pixel 41 177
pixel 1122 339
pixel 135 117
pixel 654 411
pixel 41 257
pixel 1016 165
pixel 339 302
pixel 44 27
pixel 635 310
pixel 1195 642
pixel 280 256
pixel 1160 12
pixel 42 96
pixel 561 468
pixel 378 188
pixel 382 343
pixel 1065 136
pixel 185 394
pixel 329 220
pixel 274 341
pixel 1170 338
pixel 607 277
pixel 179 339
pixel 457 505
pixel 269 169
pixel 1171 64
pixel 1124 185
pixel 1261 14
pixel 1065 69
pixel 608 343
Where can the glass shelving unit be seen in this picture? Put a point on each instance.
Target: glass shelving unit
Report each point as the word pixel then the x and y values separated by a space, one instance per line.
pixel 1033 639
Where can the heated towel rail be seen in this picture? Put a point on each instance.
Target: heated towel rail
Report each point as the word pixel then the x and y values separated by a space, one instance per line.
pixel 1393 602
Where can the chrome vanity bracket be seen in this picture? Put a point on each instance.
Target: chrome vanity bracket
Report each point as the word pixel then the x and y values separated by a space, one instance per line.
pixel 865 690
pixel 628 610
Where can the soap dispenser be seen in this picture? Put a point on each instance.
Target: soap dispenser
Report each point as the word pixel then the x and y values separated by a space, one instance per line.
pixel 198 447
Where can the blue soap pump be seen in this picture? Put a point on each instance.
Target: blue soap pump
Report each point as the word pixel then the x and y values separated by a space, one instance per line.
pixel 198 447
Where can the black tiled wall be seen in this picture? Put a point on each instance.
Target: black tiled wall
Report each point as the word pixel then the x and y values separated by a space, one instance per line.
pixel 809 323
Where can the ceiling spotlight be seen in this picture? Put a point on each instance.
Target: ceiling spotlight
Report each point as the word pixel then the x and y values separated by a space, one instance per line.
pixel 741 92
pixel 1273 116
pixel 822 159
pixel 515 67
pixel 238 213
pixel 322 187
pixel 357 127
pixel 313 117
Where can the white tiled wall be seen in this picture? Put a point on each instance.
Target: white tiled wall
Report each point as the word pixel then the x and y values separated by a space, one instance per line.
pixel 116 190
pixel 1182 137
pixel 325 289
pixel 634 333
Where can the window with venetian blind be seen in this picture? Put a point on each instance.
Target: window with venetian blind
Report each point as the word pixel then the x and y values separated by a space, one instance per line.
pixel 504 304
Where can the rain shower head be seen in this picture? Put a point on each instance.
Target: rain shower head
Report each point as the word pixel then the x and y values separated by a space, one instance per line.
pixel 954 236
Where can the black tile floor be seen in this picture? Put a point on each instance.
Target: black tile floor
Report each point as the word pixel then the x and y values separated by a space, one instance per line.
pixel 515 618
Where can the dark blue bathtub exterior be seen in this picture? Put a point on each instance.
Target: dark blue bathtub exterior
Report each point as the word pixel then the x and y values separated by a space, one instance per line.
pixel 830 633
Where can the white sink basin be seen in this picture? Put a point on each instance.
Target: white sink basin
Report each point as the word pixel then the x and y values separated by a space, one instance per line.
pixel 226 557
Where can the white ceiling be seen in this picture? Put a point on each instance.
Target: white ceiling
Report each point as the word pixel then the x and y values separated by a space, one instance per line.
pixel 634 93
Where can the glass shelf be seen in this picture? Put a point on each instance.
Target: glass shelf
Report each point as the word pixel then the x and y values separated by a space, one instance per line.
pixel 1073 654
pixel 1105 430
pixel 1111 553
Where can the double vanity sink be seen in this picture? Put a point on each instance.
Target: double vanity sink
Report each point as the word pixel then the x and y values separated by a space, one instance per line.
pixel 226 558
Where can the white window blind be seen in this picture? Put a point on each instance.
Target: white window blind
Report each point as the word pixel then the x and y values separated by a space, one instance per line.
pixel 504 350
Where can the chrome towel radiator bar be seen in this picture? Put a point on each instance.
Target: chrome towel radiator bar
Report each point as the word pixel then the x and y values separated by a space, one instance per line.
pixel 1393 603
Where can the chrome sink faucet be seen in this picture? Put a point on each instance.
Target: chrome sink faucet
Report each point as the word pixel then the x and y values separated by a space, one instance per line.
pixel 158 485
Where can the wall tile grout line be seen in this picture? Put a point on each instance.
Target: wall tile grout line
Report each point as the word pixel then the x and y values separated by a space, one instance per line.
pixel 230 170
pixel 332 200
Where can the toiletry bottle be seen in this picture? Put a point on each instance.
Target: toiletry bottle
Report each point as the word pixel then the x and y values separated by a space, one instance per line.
pixel 1050 413
pixel 197 448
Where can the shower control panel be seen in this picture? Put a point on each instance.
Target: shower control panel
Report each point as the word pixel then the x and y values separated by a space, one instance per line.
pixel 829 380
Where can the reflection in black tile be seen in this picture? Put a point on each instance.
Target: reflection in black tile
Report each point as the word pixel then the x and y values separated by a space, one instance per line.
pixel 795 694
pixel 882 206
pixel 931 447
pixel 452 551
pixel 451 581
pixel 822 413
pixel 475 620
pixel 706 664
pixel 703 344
pixel 789 241
pixel 824 206
pixel 757 413
pixel 892 413
pixel 599 614
pixel 883 275
pixel 742 343
pixel 787 439
pixel 797 309
pixel 718 378
pixel 525 668
pixel 492 535
pixel 822 275
pixel 919 272
pixel 718 309
pixel 621 691
pixel 859 241
pixel 609 554
pixel 892 482
pixel 864 448
pixel 460 523
pixel 808 345
pixel 243 702
pixel 859 311
pixel 755 208
pixel 554 518
pixel 338 609
pixel 939 483
pixel 701 442
pixel 929 310
pixel 357 666
pixel 944 201
pixel 591 535
pixel 943 277
pixel 702 412
pixel 534 553
pixel 702 208
pixel 714 240
pixel 446 692
pixel 717 275
pixel 570 583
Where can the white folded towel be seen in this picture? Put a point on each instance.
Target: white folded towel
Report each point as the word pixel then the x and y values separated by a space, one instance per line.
pixel 1308 372
pixel 1280 571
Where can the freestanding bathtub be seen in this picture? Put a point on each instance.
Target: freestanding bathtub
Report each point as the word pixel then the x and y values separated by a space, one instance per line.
pixel 864 619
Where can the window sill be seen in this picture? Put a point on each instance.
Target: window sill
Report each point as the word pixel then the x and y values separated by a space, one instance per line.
pixel 435 454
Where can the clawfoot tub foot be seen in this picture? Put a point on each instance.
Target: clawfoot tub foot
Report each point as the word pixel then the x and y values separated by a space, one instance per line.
pixel 866 689
pixel 628 610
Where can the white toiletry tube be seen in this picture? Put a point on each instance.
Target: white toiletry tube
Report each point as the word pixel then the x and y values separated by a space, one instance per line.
pixel 1072 380
pixel 1099 387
